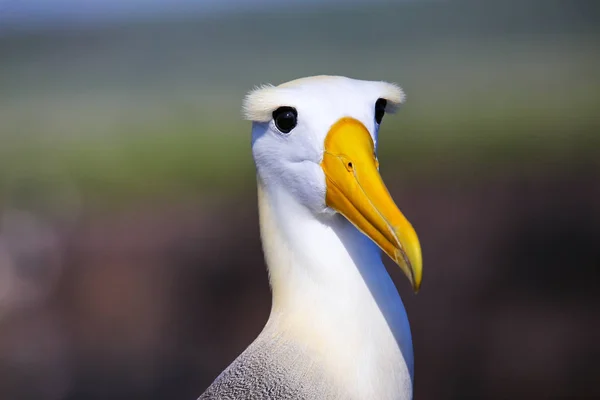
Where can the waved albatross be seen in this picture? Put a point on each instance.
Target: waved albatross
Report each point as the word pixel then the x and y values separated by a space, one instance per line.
pixel 337 328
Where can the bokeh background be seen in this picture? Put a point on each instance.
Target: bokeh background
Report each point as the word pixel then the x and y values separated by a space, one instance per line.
pixel 130 259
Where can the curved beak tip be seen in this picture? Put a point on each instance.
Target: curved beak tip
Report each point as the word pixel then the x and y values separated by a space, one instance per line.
pixel 414 276
pixel 417 286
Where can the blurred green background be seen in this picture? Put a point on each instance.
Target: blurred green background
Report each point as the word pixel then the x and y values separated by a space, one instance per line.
pixel 130 259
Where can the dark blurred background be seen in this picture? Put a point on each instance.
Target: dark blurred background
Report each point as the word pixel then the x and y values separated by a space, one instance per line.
pixel 130 258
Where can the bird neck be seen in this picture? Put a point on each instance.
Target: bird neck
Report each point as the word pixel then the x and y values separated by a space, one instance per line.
pixel 333 295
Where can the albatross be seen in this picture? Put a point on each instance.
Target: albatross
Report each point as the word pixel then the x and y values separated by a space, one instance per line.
pixel 338 328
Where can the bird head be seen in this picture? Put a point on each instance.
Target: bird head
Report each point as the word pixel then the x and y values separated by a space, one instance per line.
pixel 316 138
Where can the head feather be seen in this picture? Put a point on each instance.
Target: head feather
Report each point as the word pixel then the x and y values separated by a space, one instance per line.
pixel 260 102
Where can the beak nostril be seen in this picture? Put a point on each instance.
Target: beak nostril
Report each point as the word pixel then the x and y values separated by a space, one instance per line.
pixel 348 164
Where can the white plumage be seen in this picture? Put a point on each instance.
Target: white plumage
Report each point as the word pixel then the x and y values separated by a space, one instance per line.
pixel 338 328
pixel 260 102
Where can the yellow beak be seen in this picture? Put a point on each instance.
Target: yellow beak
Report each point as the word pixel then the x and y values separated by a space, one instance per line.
pixel 355 190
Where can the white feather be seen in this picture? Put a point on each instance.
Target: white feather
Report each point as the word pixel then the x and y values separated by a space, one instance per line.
pixel 333 300
pixel 333 297
pixel 260 103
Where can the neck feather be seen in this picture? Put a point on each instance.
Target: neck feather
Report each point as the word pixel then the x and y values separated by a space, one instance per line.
pixel 332 294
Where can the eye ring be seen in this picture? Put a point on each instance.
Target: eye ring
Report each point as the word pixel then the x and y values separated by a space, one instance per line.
pixel 285 118
pixel 380 105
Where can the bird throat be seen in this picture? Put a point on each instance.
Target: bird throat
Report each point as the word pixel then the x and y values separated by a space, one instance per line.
pixel 332 295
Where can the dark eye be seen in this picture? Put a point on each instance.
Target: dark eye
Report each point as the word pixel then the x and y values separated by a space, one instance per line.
pixel 380 109
pixel 285 118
